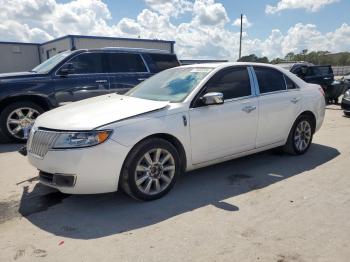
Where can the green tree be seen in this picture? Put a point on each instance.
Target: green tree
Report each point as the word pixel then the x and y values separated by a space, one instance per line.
pixel 290 56
pixel 254 58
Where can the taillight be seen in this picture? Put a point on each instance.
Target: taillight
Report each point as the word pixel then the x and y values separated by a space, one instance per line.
pixel 322 91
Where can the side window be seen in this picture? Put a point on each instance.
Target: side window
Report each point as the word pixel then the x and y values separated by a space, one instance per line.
pixel 232 82
pixel 290 84
pixel 164 61
pixel 269 79
pixel 311 72
pixel 125 63
pixel 87 63
pixel 323 70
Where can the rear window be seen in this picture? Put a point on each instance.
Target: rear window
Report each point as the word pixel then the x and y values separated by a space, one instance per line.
pixel 164 61
pixel 319 71
pixel 125 63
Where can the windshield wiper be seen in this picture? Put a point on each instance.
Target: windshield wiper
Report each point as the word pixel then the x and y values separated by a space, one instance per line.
pixel 33 71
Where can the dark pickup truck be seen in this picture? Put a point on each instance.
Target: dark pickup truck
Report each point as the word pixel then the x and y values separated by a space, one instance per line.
pixel 71 76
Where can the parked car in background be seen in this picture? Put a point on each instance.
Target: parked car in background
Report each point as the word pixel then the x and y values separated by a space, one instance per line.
pixel 181 119
pixel 71 76
pixel 318 74
pixel 346 78
pixel 345 103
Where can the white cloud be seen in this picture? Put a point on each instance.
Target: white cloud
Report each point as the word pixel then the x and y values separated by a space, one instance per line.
pixel 246 23
pixel 205 35
pixel 170 7
pixel 129 26
pixel 209 13
pixel 309 5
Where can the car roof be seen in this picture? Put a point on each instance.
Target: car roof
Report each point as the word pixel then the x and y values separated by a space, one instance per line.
pixel 229 64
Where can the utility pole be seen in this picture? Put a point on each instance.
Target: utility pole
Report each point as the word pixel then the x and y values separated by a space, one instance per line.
pixel 240 38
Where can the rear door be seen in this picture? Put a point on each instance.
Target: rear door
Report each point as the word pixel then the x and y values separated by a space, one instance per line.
pixel 88 79
pixel 126 70
pixel 279 104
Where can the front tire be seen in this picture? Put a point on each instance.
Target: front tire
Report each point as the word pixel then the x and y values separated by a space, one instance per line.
pixel 16 120
pixel 150 170
pixel 300 136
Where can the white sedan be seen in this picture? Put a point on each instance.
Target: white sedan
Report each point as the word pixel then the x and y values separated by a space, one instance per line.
pixel 179 120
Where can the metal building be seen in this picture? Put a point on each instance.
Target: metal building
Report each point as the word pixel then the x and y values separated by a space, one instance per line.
pixel 16 56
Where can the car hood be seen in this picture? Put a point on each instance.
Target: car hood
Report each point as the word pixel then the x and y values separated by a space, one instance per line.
pixel 95 112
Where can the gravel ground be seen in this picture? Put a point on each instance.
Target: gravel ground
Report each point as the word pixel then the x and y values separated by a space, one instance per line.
pixel 265 207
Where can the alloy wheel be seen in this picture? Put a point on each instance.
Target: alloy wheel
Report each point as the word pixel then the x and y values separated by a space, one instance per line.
pixel 154 171
pixel 20 121
pixel 302 135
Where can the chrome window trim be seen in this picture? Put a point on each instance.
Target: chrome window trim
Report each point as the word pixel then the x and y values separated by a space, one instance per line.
pixel 106 73
pixel 239 98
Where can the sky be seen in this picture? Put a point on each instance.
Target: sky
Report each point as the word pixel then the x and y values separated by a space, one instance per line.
pixel 202 29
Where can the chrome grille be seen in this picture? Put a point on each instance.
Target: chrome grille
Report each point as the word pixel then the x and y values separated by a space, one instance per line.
pixel 41 141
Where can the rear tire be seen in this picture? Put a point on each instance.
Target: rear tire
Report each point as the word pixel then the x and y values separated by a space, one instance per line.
pixel 300 136
pixel 150 170
pixel 347 114
pixel 10 120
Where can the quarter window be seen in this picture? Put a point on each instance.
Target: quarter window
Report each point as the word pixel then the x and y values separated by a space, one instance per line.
pixel 87 63
pixel 270 80
pixel 125 63
pixel 232 83
pixel 290 84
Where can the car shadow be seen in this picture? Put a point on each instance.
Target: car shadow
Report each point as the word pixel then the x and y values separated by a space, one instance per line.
pixel 95 216
pixel 7 148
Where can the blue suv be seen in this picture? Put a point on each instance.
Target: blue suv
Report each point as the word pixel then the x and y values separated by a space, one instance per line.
pixel 71 76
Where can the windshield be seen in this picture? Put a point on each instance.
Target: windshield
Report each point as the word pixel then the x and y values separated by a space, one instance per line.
pixel 46 66
pixel 172 85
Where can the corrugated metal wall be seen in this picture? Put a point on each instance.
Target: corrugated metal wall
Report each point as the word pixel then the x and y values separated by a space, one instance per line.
pixel 50 49
pixel 16 57
pixel 82 43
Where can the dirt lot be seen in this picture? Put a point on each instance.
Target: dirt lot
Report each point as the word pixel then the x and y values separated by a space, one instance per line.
pixel 265 207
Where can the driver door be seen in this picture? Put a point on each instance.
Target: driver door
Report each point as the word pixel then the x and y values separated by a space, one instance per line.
pixel 87 79
pixel 222 130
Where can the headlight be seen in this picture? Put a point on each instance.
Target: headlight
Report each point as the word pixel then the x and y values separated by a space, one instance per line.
pixel 81 139
pixel 347 95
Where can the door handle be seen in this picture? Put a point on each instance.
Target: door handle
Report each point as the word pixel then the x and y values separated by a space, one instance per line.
pixel 141 79
pixel 295 100
pixel 248 109
pixel 101 81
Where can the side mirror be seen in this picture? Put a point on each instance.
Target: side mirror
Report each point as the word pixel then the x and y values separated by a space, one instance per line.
pixel 213 98
pixel 66 69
